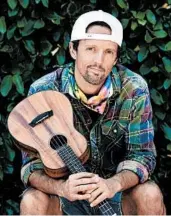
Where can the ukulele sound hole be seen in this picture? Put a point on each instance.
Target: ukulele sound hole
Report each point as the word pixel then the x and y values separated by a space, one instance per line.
pixel 58 141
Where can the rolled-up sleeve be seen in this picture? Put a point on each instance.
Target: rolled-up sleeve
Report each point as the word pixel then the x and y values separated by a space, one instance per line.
pixel 30 164
pixel 141 152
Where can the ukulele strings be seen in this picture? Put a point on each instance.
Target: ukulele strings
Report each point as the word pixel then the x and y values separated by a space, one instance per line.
pixel 61 140
pixel 104 204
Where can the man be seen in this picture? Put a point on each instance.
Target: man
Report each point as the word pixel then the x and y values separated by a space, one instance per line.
pixel 112 110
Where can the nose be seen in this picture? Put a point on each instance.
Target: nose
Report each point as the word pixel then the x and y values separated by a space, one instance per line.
pixel 98 58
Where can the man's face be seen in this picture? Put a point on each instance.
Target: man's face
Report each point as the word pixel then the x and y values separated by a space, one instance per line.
pixel 94 59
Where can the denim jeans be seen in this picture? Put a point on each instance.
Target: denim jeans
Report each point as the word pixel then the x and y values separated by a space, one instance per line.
pixel 82 207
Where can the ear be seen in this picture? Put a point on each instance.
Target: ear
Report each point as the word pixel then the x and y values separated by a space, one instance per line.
pixel 72 51
pixel 115 61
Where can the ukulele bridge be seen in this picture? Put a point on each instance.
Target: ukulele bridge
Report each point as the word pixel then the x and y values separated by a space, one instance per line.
pixel 41 118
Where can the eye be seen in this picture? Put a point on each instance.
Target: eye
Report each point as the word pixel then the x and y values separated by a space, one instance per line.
pixel 90 48
pixel 109 52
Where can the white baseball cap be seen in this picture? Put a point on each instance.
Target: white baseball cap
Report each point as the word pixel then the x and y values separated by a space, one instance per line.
pixel 79 28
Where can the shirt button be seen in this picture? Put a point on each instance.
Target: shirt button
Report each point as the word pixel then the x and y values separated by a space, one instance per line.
pixel 115 131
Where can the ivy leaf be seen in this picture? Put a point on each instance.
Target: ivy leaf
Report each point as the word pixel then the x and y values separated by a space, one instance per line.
pixel 122 4
pixel 169 147
pixel 17 80
pixel 167 83
pixel 124 23
pixel 12 4
pixel 8 169
pixel 66 40
pixel 28 28
pixel 142 54
pixel 140 15
pixel 167 131
pixel 1 173
pixel 153 49
pixel 14 12
pixel 93 1
pixel 167 64
pixel 155 69
pixel 142 22
pixel 148 38
pixel 134 25
pixel 3 27
pixel 168 46
pixel 115 12
pixel 6 85
pixel 162 46
pixel 160 33
pixel 156 97
pixel 54 17
pixel 10 31
pixel 146 67
pixel 21 23
pixel 160 115
pixel 61 56
pixel 131 53
pixel 10 107
pixel 158 25
pixel 24 3
pixel 39 24
pixel 6 48
pixel 46 61
pixel 72 8
pixel 10 153
pixel 12 205
pixel 134 13
pixel 30 46
pixel 56 36
pixel 151 17
pixel 45 3
pixel 45 47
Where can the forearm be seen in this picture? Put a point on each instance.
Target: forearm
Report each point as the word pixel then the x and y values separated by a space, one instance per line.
pixel 42 182
pixel 125 180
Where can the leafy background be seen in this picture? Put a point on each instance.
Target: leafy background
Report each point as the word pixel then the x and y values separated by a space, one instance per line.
pixel 34 36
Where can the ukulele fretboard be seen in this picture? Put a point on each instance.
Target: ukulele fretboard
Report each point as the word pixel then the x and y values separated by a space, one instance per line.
pixel 75 166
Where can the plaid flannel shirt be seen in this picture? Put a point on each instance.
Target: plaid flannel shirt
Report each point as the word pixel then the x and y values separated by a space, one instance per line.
pixel 121 138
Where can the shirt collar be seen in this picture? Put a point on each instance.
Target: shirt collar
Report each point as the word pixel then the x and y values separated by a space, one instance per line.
pixel 115 76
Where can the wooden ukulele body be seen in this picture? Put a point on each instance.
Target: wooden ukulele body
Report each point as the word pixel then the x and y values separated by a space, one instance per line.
pixel 43 120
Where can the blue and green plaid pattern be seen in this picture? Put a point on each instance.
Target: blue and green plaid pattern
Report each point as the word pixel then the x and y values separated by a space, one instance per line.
pixel 121 138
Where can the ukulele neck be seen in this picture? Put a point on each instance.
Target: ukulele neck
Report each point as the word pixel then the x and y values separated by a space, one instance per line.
pixel 70 159
pixel 75 166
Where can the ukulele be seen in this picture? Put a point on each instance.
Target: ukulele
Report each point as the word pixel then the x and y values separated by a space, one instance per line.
pixel 43 125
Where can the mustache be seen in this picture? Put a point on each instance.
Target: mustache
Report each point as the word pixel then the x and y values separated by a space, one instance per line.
pixel 96 67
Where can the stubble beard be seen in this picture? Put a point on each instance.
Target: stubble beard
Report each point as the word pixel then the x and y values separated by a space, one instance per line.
pixel 94 79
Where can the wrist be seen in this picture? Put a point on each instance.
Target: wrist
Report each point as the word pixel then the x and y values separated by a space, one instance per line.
pixel 115 184
pixel 60 188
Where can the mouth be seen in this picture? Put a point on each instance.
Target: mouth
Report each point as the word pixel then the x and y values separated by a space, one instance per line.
pixel 95 70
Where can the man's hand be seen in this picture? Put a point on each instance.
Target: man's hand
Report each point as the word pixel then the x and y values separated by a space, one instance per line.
pixel 106 188
pixel 76 185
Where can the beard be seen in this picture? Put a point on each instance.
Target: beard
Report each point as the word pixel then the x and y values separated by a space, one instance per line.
pixel 94 75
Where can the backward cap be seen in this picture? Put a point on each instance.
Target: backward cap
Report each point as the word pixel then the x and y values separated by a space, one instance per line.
pixel 79 28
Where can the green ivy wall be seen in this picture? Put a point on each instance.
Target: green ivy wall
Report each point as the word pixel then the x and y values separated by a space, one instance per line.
pixel 34 36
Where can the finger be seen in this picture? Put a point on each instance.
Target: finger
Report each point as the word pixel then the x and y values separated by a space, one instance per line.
pixel 81 175
pixel 95 194
pixel 90 191
pixel 82 196
pixel 83 188
pixel 87 180
pixel 98 200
